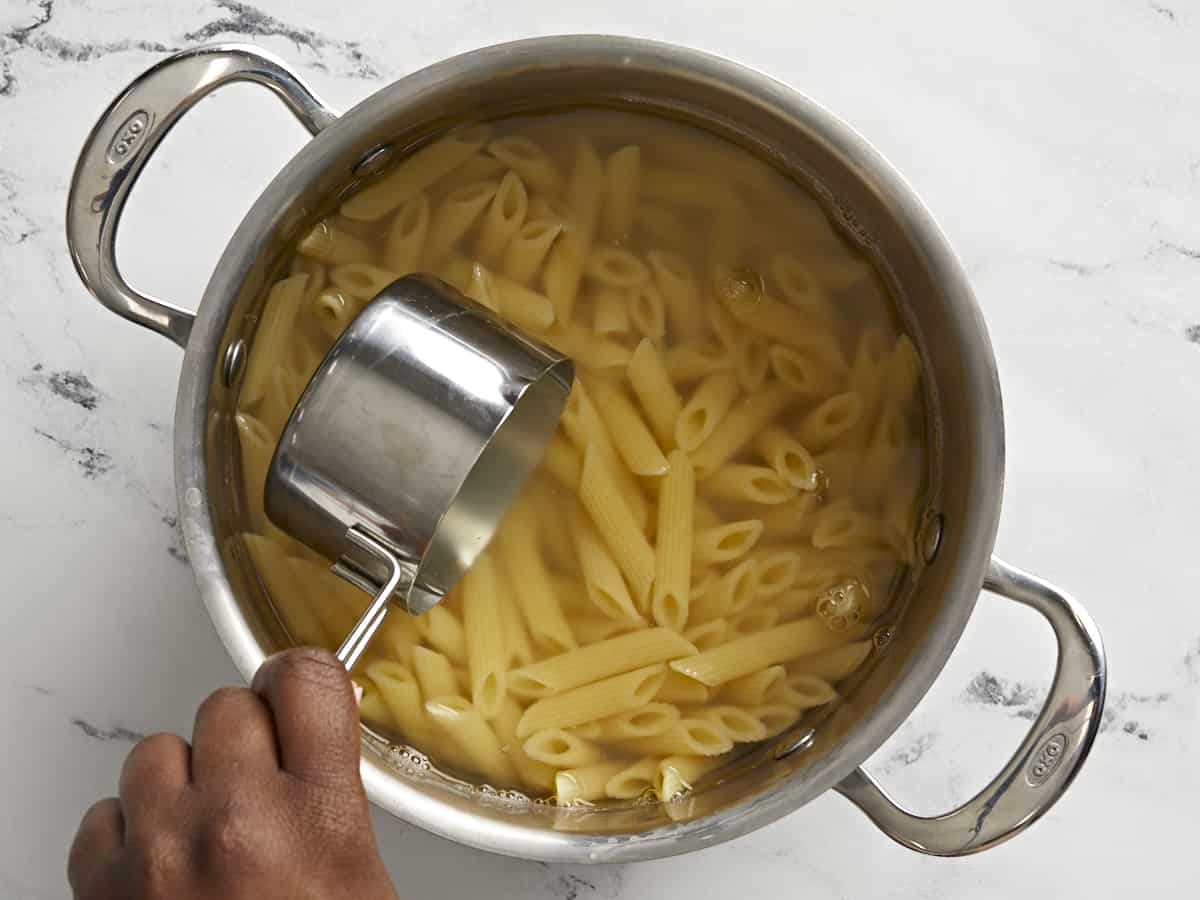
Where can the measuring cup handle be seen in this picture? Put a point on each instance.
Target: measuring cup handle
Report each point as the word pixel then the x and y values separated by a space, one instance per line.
pixel 126 136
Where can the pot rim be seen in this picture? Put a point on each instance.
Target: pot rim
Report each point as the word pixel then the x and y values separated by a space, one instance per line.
pixel 399 797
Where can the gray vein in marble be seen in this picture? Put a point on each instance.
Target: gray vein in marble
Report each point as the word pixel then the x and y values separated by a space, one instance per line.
pixel 912 753
pixel 93 462
pixel 1165 11
pixel 16 225
pixel 1192 333
pixel 244 19
pixel 74 387
pixel 1082 269
pixel 1191 661
pixel 107 734
pixel 176 549
pixel 987 689
pixel 570 887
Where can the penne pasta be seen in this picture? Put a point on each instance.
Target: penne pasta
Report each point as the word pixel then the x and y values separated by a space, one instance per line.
pixel 634 781
pixel 328 242
pixel 484 637
pixel 605 585
pixel 530 584
pixel 586 783
pixel 616 523
pixel 740 428
pixel 434 673
pixel 612 313
pixel 597 700
pixel 680 291
pixel 529 161
pixel 834 664
pixel 757 651
pixel 645 721
pixel 587 665
pixel 533 773
pixel 789 458
pixel 678 775
pixel 752 690
pixel 622 174
pixel 630 434
pixel 652 386
pixel 528 247
pixel 829 421
pixel 444 632
pixel 740 482
pixel 725 543
pixel 673 544
pixel 705 409
pixel 469 731
pixel 414 175
pixel 687 737
pixel 616 268
pixel 560 749
pixel 454 217
pixel 503 217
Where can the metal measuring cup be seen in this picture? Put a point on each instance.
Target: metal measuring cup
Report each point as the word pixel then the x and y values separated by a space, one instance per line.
pixel 410 442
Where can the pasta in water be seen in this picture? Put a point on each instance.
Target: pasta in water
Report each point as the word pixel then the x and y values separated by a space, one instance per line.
pixel 727 510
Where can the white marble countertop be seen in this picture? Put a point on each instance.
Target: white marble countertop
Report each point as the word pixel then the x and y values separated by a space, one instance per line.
pixel 1058 144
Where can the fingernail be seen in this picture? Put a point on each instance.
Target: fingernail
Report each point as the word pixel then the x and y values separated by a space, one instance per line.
pixel 358 692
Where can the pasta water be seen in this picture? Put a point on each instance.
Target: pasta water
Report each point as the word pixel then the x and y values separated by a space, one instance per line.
pixel 722 519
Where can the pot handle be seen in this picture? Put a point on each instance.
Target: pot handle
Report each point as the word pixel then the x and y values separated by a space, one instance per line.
pixel 1047 760
pixel 126 136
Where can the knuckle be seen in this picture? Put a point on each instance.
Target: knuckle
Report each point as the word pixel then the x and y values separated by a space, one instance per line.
pixel 153 750
pixel 154 867
pixel 231 838
pixel 224 699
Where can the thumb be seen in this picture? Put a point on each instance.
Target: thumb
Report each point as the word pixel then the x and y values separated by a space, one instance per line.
pixel 316 714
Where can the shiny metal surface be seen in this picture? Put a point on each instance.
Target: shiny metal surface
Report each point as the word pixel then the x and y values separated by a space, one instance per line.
pixel 125 138
pixel 1047 760
pixel 398 576
pixel 875 205
pixel 418 429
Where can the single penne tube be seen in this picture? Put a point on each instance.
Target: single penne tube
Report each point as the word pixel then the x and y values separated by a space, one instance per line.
pixel 622 174
pixel 778 568
pixel 466 727
pixel 646 311
pixel 503 217
pixel 679 774
pixel 597 700
pixel 790 520
pixel 687 737
pixel 523 307
pixel 414 175
pixel 733 592
pixel 751 362
pixel 803 691
pixel 781 644
pixel 753 620
pixel 776 718
pixel 740 725
pixel 799 287
pixel 567 258
pixel 405 237
pixel 616 523
pixel 572 592
pixel 743 424
pixel 332 310
pixel 611 313
pixel 606 586
pixel 317 272
pixel 578 341
pixel 615 656
pixel 707 635
pixel 890 439
pixel 632 437
pixel 434 672
pixel 728 331
pixel 560 748
pixel 705 409
pixel 287 595
pixel 803 373
pixel 552 505
pixel 583 425
pixel 330 243
pixel 721 544
pixel 742 482
pixel 831 420
pixel 673 544
pixel 647 375
pixel 527 250
pixel 752 690
pixel 834 664
pixel 840 524
pixel 682 691
pixel 615 268
pixel 396 638
pixel 688 363
pixel 680 292
pixel 362 280
pixel 787 456
pixel 275 331
pixel 454 217
pixel 480 166
pixel 400 693
pixel 518 646
pixel 528 160
pixel 485 637
pixel 645 721
pixel 371 709
pixel 903 368
pixel 443 631
pixel 563 461
pixel 334 601
pixel 529 582
pixel 586 783
pixel 534 774
pixel 634 781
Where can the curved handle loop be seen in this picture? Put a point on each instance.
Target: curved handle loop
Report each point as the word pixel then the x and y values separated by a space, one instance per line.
pixel 1047 760
pixel 124 139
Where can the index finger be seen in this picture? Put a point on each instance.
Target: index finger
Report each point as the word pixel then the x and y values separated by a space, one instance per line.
pixel 316 717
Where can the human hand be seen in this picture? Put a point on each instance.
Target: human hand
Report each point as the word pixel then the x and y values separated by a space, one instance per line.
pixel 266 802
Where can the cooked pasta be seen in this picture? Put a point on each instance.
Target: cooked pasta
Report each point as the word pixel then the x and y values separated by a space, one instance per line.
pixel 730 500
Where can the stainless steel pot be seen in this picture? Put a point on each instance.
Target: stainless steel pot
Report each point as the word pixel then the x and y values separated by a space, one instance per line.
pixel 876 206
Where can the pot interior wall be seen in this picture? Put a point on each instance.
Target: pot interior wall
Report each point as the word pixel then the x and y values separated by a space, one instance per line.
pixel 965 429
